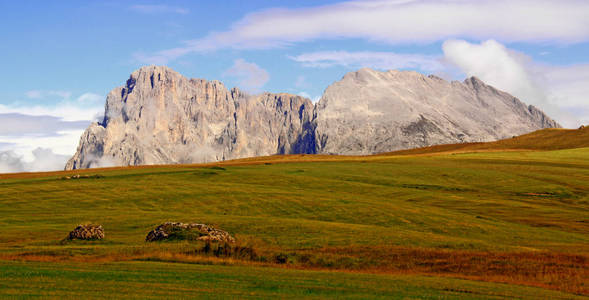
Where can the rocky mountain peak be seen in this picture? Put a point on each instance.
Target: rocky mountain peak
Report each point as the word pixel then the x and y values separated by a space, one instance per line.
pixel 151 77
pixel 371 76
pixel 370 111
pixel 475 83
pixel 161 117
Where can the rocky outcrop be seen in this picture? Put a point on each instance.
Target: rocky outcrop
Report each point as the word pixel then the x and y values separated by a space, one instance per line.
pixel 87 232
pixel 161 117
pixel 194 232
pixel 370 112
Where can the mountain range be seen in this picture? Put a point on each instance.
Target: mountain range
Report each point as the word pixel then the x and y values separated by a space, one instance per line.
pixel 162 117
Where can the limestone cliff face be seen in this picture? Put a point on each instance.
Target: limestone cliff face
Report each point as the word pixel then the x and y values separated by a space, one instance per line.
pixel 370 112
pixel 161 117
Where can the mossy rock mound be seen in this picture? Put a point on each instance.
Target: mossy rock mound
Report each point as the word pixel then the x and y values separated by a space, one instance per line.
pixel 188 232
pixel 87 232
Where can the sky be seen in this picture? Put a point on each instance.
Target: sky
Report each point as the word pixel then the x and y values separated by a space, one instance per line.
pixel 59 59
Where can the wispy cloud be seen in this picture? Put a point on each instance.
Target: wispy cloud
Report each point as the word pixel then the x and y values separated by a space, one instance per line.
pixel 90 98
pixel 41 94
pixel 15 124
pixel 399 21
pixel 67 110
pixel 158 9
pixel 250 76
pixel 378 60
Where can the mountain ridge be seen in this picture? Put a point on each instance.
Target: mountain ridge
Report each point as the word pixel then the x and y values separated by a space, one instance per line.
pixel 411 110
pixel 162 117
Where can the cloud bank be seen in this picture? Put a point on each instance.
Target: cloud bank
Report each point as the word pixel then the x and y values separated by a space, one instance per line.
pixel 43 160
pixel 43 137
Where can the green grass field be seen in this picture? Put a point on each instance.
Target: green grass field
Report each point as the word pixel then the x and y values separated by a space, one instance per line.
pixel 479 225
pixel 146 280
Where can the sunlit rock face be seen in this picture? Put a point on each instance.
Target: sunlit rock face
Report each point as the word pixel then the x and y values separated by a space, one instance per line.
pixel 370 112
pixel 161 117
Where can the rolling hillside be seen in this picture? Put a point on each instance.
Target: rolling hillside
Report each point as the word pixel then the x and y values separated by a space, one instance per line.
pixel 545 139
pixel 494 220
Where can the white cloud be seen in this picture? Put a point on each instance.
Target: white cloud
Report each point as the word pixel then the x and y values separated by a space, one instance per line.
pixel 26 133
pixel 15 124
pixel 250 76
pixel 66 110
pixel 400 21
pixel 39 94
pixel 62 143
pixel 568 84
pixel 558 90
pixel 90 98
pixel 377 60
pixel 496 65
pixel 55 128
pixel 43 160
pixel 156 9
pixel 10 162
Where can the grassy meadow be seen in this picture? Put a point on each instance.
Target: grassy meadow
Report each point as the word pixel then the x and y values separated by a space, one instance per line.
pixel 464 221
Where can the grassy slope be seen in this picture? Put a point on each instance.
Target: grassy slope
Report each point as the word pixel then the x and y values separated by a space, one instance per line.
pixel 546 139
pixel 462 215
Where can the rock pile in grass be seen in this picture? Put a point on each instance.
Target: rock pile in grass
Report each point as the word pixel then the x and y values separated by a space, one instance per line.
pixel 78 176
pixel 87 232
pixel 190 232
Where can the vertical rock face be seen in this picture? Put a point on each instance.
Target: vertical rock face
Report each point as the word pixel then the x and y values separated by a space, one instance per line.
pixel 370 111
pixel 161 117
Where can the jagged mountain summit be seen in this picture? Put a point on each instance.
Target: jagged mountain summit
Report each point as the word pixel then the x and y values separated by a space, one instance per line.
pixel 161 117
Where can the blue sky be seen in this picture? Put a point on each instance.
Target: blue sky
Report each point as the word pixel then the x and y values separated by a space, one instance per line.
pixel 60 58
